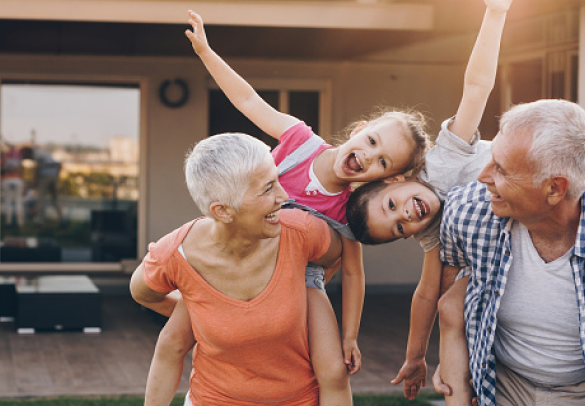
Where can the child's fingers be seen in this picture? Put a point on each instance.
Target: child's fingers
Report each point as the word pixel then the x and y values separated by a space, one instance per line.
pixel 398 378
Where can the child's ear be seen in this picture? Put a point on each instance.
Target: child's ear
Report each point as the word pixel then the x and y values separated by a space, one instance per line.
pixel 358 128
pixel 395 178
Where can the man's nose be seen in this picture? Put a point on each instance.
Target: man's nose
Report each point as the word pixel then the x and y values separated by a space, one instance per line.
pixel 485 175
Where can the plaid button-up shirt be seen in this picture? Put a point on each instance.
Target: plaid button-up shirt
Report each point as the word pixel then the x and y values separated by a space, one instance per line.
pixel 473 236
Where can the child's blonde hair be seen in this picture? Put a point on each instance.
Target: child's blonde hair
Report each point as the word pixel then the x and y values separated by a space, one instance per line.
pixel 413 123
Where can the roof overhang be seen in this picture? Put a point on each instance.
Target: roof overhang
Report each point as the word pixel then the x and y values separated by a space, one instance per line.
pixel 360 14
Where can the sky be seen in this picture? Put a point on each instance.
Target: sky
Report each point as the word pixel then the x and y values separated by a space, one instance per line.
pixel 68 114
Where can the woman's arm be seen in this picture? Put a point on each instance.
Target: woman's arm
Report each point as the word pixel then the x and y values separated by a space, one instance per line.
pixel 333 252
pixel 162 303
pixel 237 90
pixel 353 292
pixel 174 342
pixel 480 75
pixel 422 318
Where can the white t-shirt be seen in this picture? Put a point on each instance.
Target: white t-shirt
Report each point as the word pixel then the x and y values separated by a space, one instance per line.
pixel 535 338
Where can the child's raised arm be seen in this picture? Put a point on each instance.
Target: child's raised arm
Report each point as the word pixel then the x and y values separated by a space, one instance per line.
pixel 480 78
pixel 237 90
pixel 480 75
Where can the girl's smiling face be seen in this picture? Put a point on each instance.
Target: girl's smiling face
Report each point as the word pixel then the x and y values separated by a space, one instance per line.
pixel 401 209
pixel 374 151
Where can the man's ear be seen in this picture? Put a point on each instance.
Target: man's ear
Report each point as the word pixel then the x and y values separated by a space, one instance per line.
pixel 395 178
pixel 221 212
pixel 556 189
pixel 358 128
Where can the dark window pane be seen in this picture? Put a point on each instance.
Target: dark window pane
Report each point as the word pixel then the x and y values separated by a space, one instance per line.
pixel 224 117
pixel 305 106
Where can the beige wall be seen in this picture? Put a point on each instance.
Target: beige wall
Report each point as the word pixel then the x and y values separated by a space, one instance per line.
pixel 168 133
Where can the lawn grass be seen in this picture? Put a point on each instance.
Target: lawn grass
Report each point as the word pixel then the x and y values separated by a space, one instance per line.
pixel 359 400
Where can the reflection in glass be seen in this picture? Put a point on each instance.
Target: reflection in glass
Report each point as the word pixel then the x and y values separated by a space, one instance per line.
pixel 69 172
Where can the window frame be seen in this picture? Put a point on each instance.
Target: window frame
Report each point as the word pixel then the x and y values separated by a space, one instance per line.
pixel 141 223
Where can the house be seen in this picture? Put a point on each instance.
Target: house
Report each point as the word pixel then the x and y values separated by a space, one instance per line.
pixel 329 62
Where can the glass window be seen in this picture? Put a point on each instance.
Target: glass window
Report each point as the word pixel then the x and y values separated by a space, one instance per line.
pixel 305 106
pixel 69 172
pixel 526 81
pixel 224 117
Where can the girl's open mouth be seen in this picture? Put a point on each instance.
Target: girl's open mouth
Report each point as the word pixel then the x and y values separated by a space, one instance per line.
pixel 353 164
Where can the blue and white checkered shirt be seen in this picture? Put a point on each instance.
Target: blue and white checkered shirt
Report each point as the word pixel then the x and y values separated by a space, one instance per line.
pixel 473 236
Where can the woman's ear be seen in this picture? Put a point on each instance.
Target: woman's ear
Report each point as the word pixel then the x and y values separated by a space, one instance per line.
pixel 358 128
pixel 221 212
pixel 395 178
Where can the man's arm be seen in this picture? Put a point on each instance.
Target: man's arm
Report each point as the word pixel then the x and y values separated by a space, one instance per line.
pixel 480 75
pixel 237 90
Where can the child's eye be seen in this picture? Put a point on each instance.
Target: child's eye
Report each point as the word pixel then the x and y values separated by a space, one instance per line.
pixel 383 162
pixel 400 229
pixel 391 204
pixel 372 141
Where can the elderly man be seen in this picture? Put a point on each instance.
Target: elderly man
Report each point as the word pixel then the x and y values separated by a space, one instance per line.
pixel 521 230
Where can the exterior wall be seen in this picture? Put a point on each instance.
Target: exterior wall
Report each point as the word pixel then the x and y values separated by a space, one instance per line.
pixel 167 134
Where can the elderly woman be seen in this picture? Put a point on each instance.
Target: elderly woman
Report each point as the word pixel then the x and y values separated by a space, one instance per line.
pixel 240 270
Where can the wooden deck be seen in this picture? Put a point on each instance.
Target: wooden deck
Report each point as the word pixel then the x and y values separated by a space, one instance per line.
pixel 116 361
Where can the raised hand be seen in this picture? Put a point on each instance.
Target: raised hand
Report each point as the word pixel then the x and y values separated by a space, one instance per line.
pixel 498 5
pixel 414 375
pixel 197 36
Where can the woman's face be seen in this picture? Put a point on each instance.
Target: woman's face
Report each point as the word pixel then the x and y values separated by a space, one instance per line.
pixel 259 215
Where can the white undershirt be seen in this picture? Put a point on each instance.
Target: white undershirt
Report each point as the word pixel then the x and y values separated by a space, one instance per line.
pixel 537 334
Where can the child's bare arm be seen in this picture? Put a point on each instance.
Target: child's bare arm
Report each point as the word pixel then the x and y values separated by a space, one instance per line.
pixel 422 317
pixel 174 342
pixel 353 291
pixel 480 74
pixel 240 93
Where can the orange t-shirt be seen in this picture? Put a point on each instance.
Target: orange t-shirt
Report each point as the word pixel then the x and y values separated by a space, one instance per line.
pixel 248 352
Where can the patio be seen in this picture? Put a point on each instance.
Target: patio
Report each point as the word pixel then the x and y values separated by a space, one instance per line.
pixel 116 361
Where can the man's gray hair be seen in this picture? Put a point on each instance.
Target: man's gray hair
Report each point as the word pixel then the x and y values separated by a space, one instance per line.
pixel 558 139
pixel 218 169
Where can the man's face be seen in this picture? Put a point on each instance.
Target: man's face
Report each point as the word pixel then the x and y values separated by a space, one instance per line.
pixel 509 178
pixel 401 209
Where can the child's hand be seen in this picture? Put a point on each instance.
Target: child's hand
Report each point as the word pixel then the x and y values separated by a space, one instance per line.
pixel 498 5
pixel 352 356
pixel 197 36
pixel 414 375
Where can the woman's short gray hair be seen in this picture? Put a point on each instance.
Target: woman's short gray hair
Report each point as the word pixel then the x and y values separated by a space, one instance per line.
pixel 558 139
pixel 218 169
